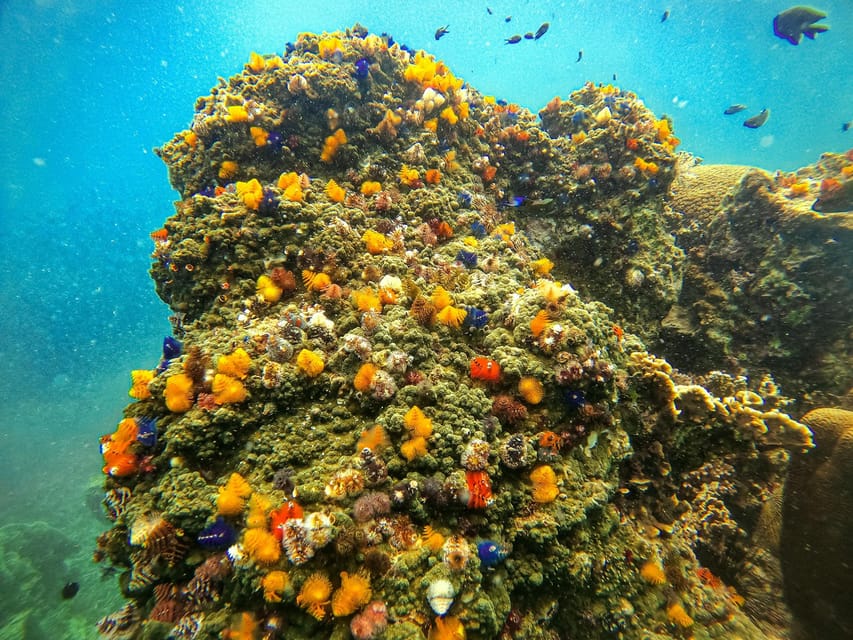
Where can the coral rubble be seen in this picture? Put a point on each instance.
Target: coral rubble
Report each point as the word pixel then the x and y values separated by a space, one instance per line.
pixel 427 422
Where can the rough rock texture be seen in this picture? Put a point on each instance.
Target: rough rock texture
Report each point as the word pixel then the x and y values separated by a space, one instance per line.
pixel 818 526
pixel 345 251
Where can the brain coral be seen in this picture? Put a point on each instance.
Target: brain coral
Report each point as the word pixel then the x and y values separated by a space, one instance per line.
pixel 818 505
pixel 699 189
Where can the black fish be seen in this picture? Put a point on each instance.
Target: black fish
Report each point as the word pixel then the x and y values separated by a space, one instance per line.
pixel 664 16
pixel 489 10
pixel 735 108
pixel 529 35
pixel 797 21
pixel 614 77
pixel 846 126
pixel 543 28
pixel 580 56
pixel 70 590
pixel 757 120
pixel 508 18
pixel 513 40
pixel 836 201
pixel 441 32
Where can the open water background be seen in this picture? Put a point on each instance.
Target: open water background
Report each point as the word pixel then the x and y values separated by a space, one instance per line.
pixel 90 87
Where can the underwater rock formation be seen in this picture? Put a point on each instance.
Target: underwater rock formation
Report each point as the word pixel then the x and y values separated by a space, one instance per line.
pixel 767 281
pixel 381 416
pixel 818 506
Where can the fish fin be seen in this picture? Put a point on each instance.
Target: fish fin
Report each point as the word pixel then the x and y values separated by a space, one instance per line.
pixel 815 29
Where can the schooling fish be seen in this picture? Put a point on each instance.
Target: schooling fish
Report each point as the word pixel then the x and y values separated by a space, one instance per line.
pixel 797 21
pixel 757 120
pixel 441 32
pixel 664 16
pixel 529 35
pixel 580 56
pixel 735 108
pixel 513 40
pixel 542 30
pixel 846 126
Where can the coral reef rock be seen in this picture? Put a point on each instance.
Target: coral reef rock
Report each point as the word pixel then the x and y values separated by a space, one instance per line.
pixel 817 527
pixel 380 404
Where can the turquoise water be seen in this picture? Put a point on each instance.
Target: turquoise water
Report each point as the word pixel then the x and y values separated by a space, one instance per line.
pixel 91 87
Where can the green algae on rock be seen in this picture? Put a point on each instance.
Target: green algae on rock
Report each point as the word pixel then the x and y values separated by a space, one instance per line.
pixel 356 306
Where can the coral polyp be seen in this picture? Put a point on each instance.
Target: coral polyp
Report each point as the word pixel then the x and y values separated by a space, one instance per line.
pixel 373 347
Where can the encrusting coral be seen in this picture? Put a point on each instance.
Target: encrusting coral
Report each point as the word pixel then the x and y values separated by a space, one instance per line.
pixel 426 373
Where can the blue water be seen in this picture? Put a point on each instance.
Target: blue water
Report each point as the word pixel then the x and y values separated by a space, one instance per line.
pixel 89 88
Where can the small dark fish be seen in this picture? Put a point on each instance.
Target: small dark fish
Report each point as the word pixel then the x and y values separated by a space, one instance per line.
pixel 542 30
pixel 735 108
pixel 580 56
pixel 441 32
pixel 489 10
pixel 614 77
pixel 757 120
pixel 846 126
pixel 838 200
pixel 508 18
pixel 792 24
pixel 664 16
pixel 513 40
pixel 529 35
pixel 70 590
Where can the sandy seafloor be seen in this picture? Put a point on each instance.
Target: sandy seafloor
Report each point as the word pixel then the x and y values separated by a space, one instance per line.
pixel 89 88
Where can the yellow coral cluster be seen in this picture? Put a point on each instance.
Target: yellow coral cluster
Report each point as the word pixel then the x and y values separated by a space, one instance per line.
pixel 428 72
pixel 226 386
pixel 447 628
pixel 332 144
pixel 268 290
pixel 315 281
pixel 261 545
pixel 291 185
pixel 179 394
pixel 652 572
pixel 330 47
pixel 236 364
pixel 542 267
pixel 228 169
pixel 544 482
pixel 409 176
pixel 259 136
pixel 231 499
pixel 274 583
pixel 227 390
pixel 237 113
pixel 310 363
pixel 315 594
pixel 139 379
pixel 258 63
pixel 420 428
pixel 678 616
pixel 451 316
pixel 251 193
pixel 353 594
pixel 369 187
pixel 646 166
pixel 531 390
pixel 376 242
pixel 335 191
